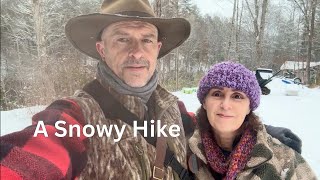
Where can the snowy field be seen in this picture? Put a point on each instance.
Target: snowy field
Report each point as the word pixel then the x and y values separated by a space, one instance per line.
pixel 289 105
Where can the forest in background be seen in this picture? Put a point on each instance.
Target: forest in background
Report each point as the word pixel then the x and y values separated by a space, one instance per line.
pixel 38 64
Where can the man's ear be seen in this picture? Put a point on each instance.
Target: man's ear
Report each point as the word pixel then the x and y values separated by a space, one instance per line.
pixel 159 45
pixel 100 48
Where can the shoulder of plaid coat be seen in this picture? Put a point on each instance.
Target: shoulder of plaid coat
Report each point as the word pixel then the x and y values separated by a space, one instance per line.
pixel 26 157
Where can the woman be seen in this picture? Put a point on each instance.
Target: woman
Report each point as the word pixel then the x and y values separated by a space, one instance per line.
pixel 231 142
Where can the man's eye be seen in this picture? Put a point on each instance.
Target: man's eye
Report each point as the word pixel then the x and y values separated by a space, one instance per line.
pixel 147 40
pixel 123 39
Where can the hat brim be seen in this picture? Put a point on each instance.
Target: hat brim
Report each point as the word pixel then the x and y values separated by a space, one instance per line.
pixel 83 31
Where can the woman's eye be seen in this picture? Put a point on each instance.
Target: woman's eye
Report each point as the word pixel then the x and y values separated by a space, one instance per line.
pixel 238 96
pixel 217 94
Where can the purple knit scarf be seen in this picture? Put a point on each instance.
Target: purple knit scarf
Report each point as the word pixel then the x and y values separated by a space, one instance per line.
pixel 229 166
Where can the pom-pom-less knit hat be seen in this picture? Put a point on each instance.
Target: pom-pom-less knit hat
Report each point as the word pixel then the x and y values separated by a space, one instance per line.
pixel 231 75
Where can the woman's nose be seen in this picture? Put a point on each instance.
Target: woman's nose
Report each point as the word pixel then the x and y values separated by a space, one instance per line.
pixel 225 103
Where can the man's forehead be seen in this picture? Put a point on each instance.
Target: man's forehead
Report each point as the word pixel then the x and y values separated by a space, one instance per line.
pixel 133 24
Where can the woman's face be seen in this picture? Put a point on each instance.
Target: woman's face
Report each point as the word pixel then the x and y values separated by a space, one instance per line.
pixel 226 109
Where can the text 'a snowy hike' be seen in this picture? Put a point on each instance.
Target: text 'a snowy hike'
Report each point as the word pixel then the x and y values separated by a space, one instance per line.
pixel 88 130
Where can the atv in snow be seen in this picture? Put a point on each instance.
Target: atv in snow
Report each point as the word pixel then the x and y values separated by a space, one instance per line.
pixel 292 77
pixel 264 76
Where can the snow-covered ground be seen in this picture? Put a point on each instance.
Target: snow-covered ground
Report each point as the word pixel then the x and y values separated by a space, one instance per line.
pixel 17 119
pixel 300 113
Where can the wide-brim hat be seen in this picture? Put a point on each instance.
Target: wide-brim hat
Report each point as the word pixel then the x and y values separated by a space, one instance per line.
pixel 84 31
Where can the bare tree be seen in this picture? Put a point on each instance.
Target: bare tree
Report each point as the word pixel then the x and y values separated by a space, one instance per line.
pixel 158 7
pixel 259 20
pixel 308 9
pixel 238 30
pixel 39 62
pixel 233 27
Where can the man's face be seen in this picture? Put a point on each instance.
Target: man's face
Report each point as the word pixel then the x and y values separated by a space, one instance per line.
pixel 130 49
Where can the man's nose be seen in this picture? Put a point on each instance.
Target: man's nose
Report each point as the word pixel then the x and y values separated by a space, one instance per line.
pixel 136 49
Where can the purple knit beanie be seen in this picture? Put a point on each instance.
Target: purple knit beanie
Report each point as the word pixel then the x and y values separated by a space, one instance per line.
pixel 232 75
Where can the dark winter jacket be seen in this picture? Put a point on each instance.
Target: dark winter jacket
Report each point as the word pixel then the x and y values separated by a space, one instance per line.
pixel 26 157
pixel 270 159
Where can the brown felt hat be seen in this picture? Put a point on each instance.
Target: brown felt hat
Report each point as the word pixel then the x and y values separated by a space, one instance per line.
pixel 84 31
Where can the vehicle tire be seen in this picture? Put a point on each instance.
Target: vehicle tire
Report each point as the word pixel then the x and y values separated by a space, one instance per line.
pixel 297 81
pixel 265 90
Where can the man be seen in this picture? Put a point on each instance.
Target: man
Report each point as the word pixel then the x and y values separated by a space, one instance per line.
pixel 127 39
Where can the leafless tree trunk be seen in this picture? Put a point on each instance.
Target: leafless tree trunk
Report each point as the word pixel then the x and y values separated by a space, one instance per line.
pixel 232 28
pixel 158 8
pixel 176 64
pixel 38 20
pixel 311 35
pixel 177 52
pixel 46 87
pixel 238 31
pixel 259 26
pixel 308 10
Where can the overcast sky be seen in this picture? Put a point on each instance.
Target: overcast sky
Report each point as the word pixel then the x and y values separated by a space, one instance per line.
pixel 215 7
